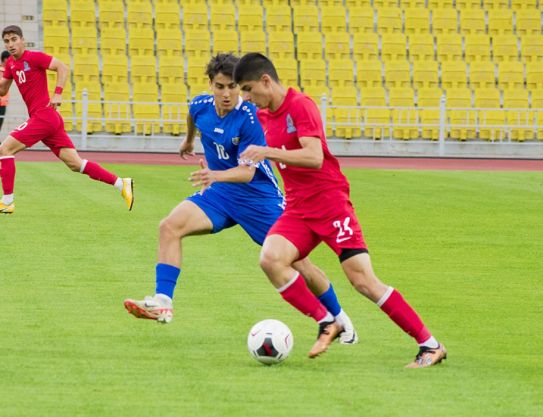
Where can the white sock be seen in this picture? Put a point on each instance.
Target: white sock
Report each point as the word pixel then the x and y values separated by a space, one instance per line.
pixel 339 317
pixel 328 317
pixel 431 343
pixel 7 199
pixel 119 184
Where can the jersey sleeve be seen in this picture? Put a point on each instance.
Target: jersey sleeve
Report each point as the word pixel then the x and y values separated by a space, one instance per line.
pixel 197 104
pixel 306 118
pixel 41 60
pixel 251 132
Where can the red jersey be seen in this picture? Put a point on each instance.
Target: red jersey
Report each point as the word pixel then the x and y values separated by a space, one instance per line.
pixel 298 116
pixel 30 75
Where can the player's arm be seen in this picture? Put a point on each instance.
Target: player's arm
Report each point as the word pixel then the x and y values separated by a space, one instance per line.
pixel 63 72
pixel 187 145
pixel 205 177
pixel 310 155
pixel 4 85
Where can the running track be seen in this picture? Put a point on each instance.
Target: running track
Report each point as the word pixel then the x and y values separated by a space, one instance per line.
pixel 351 162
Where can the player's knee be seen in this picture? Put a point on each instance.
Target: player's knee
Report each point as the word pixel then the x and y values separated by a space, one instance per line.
pixel 168 228
pixel 269 260
pixel 73 166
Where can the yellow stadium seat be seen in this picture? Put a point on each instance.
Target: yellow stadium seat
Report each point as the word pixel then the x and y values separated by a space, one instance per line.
pixel 482 75
pixel 530 5
pixel 468 4
pixel 55 5
pixel 528 22
pixel 197 89
pixel 330 3
pixel 347 114
pixel 81 5
pixel 472 21
pixel 287 69
pixel 116 108
pixel 252 42
pixel 440 4
pixel 312 73
pixel 146 113
pixel 197 44
pixel 379 4
pixel 337 45
pixel 454 75
pixel 365 46
pixel 519 118
pixel 429 114
pixel 317 93
pixel 534 76
pixel 309 45
pixel 281 45
pixel 169 42
pixel 174 109
pixel 500 22
pixel 84 41
pixel 223 18
pixel 56 40
pixel 305 19
pixel 425 74
pixel 143 70
pixel 54 17
pixel 171 70
pixel 505 48
pixel 537 99
pixel 417 20
pixel 278 19
pixel 449 47
pixel 340 73
pixel 226 41
pixel 167 18
pixel 393 47
pixel 376 120
pixel 461 118
pixel 295 2
pixel 421 47
pixel 250 18
pixel 444 21
pixel 195 17
pixel 477 48
pixel 389 20
pixel 532 48
pixel 496 4
pixel 369 73
pixel 196 68
pixel 333 19
pixel 404 120
pixel 492 118
pixel 361 19
pixel 114 69
pixel 83 19
pixel 412 4
pixel 86 69
pixel 139 15
pixel 511 75
pixel 397 74
pixel 141 42
pixel 111 14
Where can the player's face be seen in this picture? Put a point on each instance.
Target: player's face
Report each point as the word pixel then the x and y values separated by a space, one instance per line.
pixel 257 92
pixel 14 44
pixel 225 91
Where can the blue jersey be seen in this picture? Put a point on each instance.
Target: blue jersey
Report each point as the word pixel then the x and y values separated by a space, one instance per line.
pixel 225 138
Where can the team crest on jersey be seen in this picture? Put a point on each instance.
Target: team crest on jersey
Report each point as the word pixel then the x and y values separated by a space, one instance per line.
pixel 290 125
pixel 26 66
pixel 235 141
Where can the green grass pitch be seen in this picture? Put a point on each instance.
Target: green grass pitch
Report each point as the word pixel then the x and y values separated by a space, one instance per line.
pixel 465 248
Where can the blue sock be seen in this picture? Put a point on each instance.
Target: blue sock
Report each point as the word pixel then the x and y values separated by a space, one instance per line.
pixel 166 279
pixel 329 300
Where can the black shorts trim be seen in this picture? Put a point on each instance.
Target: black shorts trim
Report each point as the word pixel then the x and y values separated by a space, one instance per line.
pixel 349 253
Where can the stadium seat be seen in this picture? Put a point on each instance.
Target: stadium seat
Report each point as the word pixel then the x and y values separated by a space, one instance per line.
pixel 278 19
pixel 537 103
pixel 511 75
pixel 305 19
pixel 55 13
pixel 361 20
pixel 174 110
pixel 468 4
pixel 505 48
pixel 369 73
pixel 316 94
pixel 337 45
pixel 141 42
pixel 376 120
pixel 340 73
pixel 530 5
pixel 443 4
pixel 171 70
pixel 312 73
pixel 393 47
pixel 472 21
pixel 333 19
pixel 444 21
pixel 528 22
pixel 421 47
pixel 167 17
pixel 365 46
pixel 389 20
pixel 309 45
pixel 534 76
pixel 537 100
pixel 397 74
pixel 117 108
pixel 250 18
pixel 169 42
pixel 496 4
pixel 417 20
pixel 111 14
pixel 281 45
pixel 114 69
pixel 287 70
pixel 197 44
pixel 225 41
pixel 146 112
pixel 223 18
pixel 449 47
pixel 196 72
pixel 143 70
pixel 461 118
pixel 477 48
pixel 425 74
pixel 56 40
pixel 83 19
pixel 500 22
pixel 139 15
pixel 492 118
pixel 429 112
pixel 252 42
pixel 273 2
pixel 330 3
pixel 454 75
pixel 413 4
pixel 86 69
pixel 532 48
pixel 347 115
pixel 81 5
pixel 404 120
pixel 519 118
pixel 482 75
pixel 195 17
pixel 84 41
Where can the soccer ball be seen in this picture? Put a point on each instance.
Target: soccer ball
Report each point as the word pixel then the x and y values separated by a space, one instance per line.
pixel 270 341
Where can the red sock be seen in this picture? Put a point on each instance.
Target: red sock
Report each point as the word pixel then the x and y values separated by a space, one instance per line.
pixel 300 297
pixel 404 316
pixel 7 173
pixel 96 172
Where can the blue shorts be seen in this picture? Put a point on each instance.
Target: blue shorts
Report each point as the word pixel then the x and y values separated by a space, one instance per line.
pixel 256 215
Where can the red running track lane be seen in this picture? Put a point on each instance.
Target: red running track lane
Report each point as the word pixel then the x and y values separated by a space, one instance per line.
pixel 350 162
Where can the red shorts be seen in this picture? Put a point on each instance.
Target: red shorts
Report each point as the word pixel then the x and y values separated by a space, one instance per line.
pixel 335 224
pixel 45 125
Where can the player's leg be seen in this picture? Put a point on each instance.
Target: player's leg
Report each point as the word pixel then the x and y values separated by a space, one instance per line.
pixel 321 286
pixel 71 158
pixel 8 148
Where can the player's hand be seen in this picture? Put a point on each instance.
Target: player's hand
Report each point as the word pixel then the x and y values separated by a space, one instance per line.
pixel 186 149
pixel 202 178
pixel 253 155
pixel 56 101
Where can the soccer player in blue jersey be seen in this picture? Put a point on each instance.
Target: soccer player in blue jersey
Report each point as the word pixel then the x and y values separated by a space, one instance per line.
pixel 231 194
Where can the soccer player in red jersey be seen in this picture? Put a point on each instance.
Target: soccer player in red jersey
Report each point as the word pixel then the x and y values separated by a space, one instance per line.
pixel 28 69
pixel 318 202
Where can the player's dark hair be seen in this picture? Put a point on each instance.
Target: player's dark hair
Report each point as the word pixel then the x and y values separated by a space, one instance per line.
pixel 12 29
pixel 252 66
pixel 5 55
pixel 221 63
